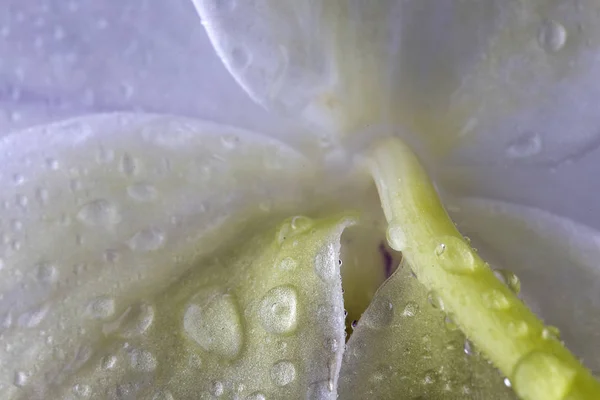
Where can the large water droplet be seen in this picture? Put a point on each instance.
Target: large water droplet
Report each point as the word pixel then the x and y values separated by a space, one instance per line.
pixel 278 310
pixel 540 375
pixel 326 263
pixel 552 36
pixel 142 360
pixel 149 239
pixel 396 236
pixel 102 307
pixel 380 313
pixel 212 320
pixel 100 212
pixel 527 145
pixel 142 192
pixel 283 373
pixel 454 255
pixel 495 300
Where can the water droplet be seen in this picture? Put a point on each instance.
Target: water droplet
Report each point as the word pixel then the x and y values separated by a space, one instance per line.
pixel 213 321
pixel 34 317
pixel 150 239
pixel 141 360
pixel 288 264
pixel 278 310
pixel 552 36
pixel 326 265
pixel 283 373
pixel 82 390
pixel 52 164
pixel 163 395
pixel 430 377
pixel 21 201
pixel 105 156
pixel 229 142
pixel 509 279
pixel 1 264
pixel 410 309
pixel 518 328
pixel 240 58
pixel 46 273
pixel 542 375
pixel 108 362
pixel 527 145
pixel 16 225
pixel 136 320
pixel 42 196
pixel 129 165
pixel 380 313
pixel 99 213
pixel 102 307
pixel 142 192
pixel 319 391
pixel 216 389
pixel 396 236
pixel 496 300
pixel 293 227
pixel 551 333
pixel 454 255
pixel 256 396
pixel 468 347
pixel 450 325
pixel 18 179
pixel 507 382
pixel 20 378
pixel 331 345
pixel 435 300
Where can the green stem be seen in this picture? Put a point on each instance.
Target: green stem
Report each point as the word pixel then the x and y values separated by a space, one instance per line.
pixel 488 312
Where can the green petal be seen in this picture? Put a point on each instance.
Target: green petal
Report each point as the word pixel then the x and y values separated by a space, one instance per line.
pixel 403 347
pixel 100 216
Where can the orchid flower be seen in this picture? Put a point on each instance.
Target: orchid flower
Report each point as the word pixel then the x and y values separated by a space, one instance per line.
pixel 403 221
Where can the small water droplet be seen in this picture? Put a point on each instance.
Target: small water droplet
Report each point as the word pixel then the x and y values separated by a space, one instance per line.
pixel 454 255
pixel 142 360
pixel 518 328
pixel 507 382
pixel 42 196
pixel 105 156
pixel 293 227
pixel 229 142
pixel 82 390
pixel 216 389
pixel 278 310
pixel 288 264
pixel 240 58
pixel 20 378
pixel 435 300
pixel 142 192
pixel 326 265
pixel 283 373
pixel 33 317
pixel 99 212
pixel 527 145
pixel 256 396
pixel 552 36
pixel 52 164
pixel 136 320
pixel 18 179
pixel 396 236
pixel 468 347
pixel 108 362
pixel 102 307
pixel 551 333
pixel 331 345
pixel 162 395
pixel 150 239
pixel 46 273
pixel 542 373
pixel 21 201
pixel 410 309
pixel 495 300
pixel 380 313
pixel 449 324
pixel 509 279
pixel 213 321
pixel 129 165
pixel 430 377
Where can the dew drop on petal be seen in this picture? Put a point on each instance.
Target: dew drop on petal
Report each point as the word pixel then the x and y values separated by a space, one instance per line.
pixel 102 307
pixel 99 212
pixel 454 255
pixel 150 239
pixel 283 373
pixel 277 311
